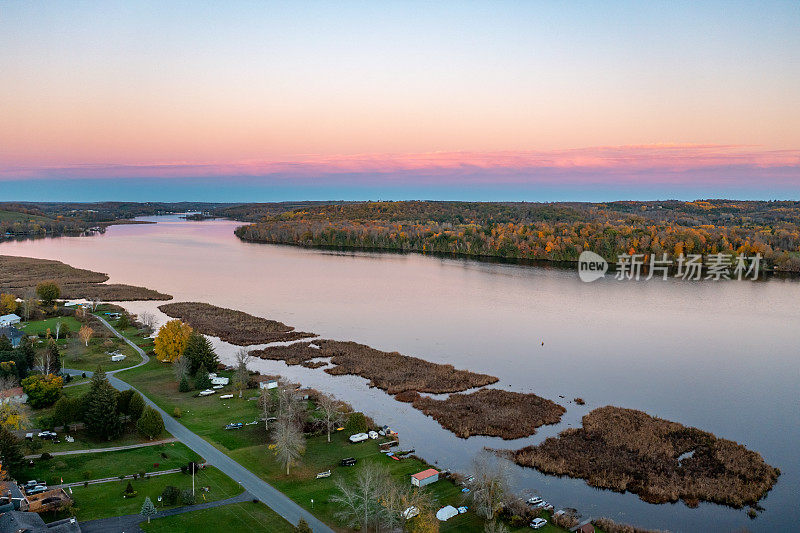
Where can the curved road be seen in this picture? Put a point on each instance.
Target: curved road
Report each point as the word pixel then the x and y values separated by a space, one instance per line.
pixel 272 497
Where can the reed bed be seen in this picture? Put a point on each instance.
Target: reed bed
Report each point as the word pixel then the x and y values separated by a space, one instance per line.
pixel 389 371
pixel 491 412
pixel 235 327
pixel 21 275
pixel 627 450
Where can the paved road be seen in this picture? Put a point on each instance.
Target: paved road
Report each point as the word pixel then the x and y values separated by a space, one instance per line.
pixel 111 449
pixel 130 523
pixel 272 497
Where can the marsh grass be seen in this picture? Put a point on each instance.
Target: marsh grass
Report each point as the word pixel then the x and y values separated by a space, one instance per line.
pixel 389 371
pixel 491 412
pixel 627 450
pixel 230 325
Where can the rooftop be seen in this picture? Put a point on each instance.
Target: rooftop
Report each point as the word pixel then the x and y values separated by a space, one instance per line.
pixel 425 474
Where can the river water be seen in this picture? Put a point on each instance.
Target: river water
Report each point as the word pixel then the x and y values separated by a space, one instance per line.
pixel 721 356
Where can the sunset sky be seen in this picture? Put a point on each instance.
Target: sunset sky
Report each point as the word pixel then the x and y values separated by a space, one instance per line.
pixel 261 101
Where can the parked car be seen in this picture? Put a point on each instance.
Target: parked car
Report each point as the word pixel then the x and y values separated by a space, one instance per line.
pixel 358 437
pixel 350 461
pixel 373 434
pixel 534 500
pixel 36 490
pixel 538 523
pixel 30 484
pixel 234 425
pixel 47 434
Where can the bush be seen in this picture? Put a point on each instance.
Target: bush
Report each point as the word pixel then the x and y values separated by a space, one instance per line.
pixel 42 390
pixel 129 492
pixel 356 423
pixel 187 498
pixel 85 484
pixel 176 412
pixel 86 474
pixel 170 494
pixel 184 386
pixel 303 527
pixel 46 456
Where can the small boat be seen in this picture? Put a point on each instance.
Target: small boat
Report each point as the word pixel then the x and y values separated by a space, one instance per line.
pixel 327 473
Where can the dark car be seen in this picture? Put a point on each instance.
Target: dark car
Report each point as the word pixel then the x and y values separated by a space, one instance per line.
pixel 350 461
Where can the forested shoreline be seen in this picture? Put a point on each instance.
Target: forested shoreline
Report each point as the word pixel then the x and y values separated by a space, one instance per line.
pixel 541 231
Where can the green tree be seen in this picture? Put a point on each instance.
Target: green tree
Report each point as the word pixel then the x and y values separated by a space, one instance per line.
pixel 356 423
pixel 184 386
pixel 199 352
pixel 10 451
pixel 66 411
pixel 151 424
pixel 42 390
pixel 124 322
pixel 148 509
pixel 303 527
pixel 170 495
pixel 48 292
pixel 100 408
pixel 136 406
pixel 201 379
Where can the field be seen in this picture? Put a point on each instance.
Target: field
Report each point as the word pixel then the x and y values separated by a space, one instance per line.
pixel 20 275
pixel 246 516
pixel 493 412
pixel 231 326
pixel 88 466
pixel 389 371
pixel 661 461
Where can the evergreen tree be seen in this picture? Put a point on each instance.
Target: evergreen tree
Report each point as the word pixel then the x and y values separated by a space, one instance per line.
pixel 55 358
pixel 100 408
pixel 136 406
pixel 199 352
pixel 151 424
pixel 183 386
pixel 10 451
pixel 201 379
pixel 148 509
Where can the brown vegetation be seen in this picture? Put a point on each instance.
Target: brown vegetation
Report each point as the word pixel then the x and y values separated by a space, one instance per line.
pixel 390 371
pixel 628 450
pixel 21 275
pixel 609 526
pixel 230 325
pixel 492 412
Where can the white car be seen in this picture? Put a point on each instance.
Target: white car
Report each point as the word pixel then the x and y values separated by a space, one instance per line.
pixel 358 437
pixel 47 434
pixel 373 434
pixel 538 523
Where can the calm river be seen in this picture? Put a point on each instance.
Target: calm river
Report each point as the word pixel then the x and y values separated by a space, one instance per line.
pixel 723 356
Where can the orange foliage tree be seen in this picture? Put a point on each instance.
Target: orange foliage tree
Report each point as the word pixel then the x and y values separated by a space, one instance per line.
pixel 171 341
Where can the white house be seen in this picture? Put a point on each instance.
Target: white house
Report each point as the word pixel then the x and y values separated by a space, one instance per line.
pixel 8 320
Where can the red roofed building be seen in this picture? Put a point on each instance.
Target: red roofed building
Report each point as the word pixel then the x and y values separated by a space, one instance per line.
pixel 426 477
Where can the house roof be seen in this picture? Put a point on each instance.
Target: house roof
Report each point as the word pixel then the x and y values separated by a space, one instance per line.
pixel 12 316
pixel 11 333
pixel 425 474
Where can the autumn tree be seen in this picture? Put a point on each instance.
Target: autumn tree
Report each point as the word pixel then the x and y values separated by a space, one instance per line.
pixel 360 503
pixel 8 304
pixel 85 334
pixel 42 389
pixel 333 410
pixel 48 292
pixel 171 341
pixel 242 375
pixel 267 403
pixel 288 444
pixel 491 484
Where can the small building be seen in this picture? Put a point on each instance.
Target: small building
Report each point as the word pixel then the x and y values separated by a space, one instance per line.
pixel 9 320
pixel 12 334
pixel 15 395
pixel 426 477
pixel 584 527
pixel 266 382
pixel 219 380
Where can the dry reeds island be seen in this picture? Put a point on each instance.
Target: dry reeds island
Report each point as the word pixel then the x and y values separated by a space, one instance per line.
pixel 492 412
pixel 230 325
pixel 661 461
pixel 20 275
pixel 389 371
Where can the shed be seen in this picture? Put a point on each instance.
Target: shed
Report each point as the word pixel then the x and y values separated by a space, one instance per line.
pixel 266 382
pixel 9 320
pixel 426 477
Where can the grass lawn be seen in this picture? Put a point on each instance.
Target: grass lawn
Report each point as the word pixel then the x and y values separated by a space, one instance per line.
pixel 68 324
pixel 104 500
pixel 206 416
pixel 82 467
pixel 247 516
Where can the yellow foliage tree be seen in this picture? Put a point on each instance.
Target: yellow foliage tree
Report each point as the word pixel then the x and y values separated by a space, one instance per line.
pixel 8 303
pixel 85 334
pixel 171 341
